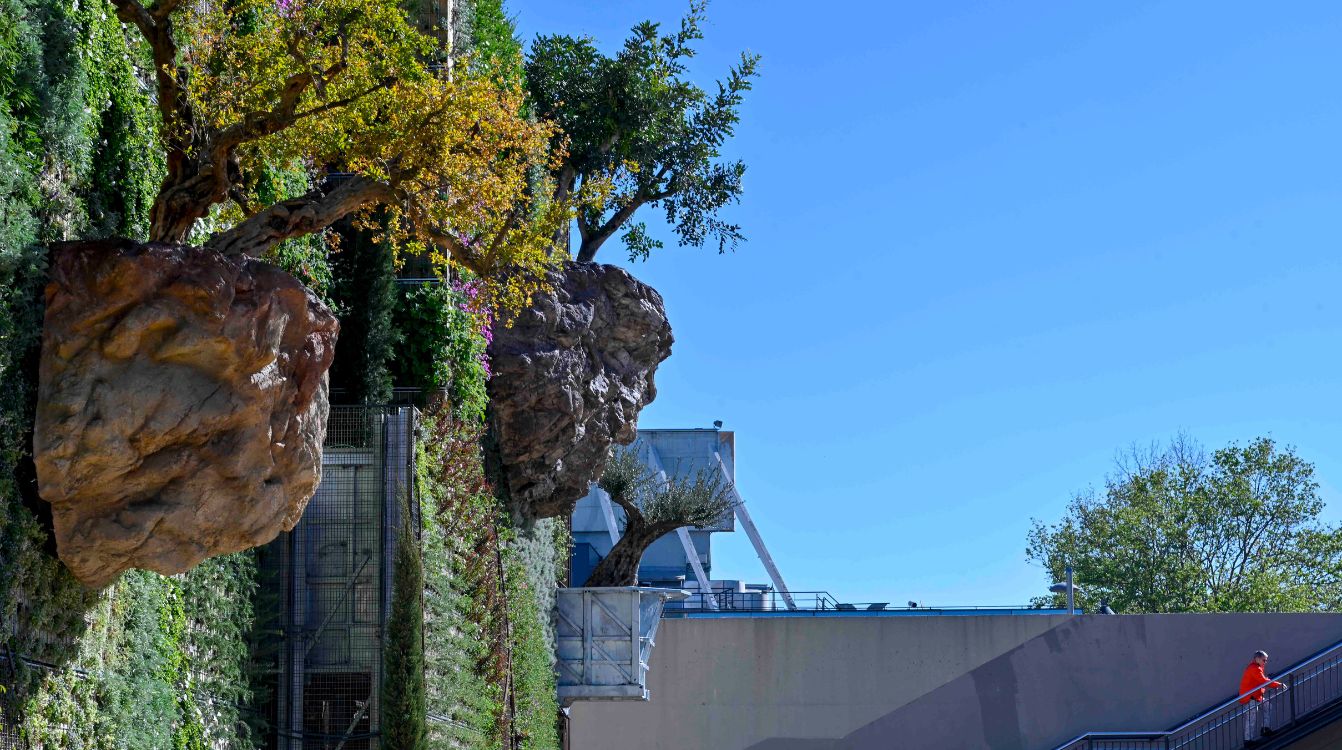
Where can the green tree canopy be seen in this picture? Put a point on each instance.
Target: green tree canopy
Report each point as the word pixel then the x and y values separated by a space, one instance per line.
pixel 1175 530
pixel 638 133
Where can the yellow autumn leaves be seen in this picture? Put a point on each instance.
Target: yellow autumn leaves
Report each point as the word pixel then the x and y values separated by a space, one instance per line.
pixel 345 87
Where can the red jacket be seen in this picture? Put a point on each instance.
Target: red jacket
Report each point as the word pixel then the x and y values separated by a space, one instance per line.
pixel 1252 683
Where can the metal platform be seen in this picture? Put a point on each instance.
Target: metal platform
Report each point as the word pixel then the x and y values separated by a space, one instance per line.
pixel 605 637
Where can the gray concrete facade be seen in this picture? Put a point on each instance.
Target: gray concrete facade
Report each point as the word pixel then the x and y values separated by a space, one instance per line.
pixel 992 682
pixel 731 683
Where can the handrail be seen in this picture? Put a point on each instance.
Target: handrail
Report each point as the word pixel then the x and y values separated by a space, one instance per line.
pixel 772 601
pixel 1213 712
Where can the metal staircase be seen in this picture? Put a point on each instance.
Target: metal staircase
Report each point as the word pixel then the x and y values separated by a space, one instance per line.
pixel 1311 701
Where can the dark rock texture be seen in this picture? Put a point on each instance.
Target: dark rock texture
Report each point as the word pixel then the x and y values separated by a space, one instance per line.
pixel 570 377
pixel 181 407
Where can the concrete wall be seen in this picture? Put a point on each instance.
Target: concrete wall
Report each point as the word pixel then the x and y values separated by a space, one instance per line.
pixel 998 683
pixel 727 684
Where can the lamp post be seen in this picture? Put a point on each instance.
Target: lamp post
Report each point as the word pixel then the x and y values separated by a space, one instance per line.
pixel 1069 588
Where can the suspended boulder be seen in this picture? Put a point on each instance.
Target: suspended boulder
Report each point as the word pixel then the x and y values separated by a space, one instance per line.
pixel 182 404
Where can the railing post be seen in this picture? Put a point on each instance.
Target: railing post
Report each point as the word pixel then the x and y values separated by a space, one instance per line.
pixel 1290 688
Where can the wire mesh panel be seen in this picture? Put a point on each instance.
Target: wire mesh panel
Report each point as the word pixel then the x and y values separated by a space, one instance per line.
pixel 330 583
pixel 11 736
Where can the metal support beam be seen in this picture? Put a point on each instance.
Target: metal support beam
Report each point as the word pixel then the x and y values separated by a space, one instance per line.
pixel 705 586
pixel 608 513
pixel 756 540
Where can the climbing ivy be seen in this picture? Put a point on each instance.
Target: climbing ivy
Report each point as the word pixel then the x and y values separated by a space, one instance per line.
pixel 443 348
pixel 488 593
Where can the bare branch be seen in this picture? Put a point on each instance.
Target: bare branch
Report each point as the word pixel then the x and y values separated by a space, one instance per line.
pixel 296 217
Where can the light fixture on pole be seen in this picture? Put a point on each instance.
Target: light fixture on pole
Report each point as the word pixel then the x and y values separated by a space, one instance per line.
pixel 1068 587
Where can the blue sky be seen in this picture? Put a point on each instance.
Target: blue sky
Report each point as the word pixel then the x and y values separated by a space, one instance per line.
pixel 991 245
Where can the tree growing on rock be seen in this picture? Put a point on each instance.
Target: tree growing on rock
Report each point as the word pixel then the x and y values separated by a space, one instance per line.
pixel 653 508
pixel 342 87
pixel 633 125
pixel 1177 530
pixel 174 375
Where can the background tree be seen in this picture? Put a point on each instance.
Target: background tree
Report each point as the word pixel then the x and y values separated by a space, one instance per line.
pixel 1177 531
pixel 340 84
pixel 652 509
pixel 633 126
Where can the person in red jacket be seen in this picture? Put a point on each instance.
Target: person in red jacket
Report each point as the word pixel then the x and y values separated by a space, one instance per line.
pixel 1252 689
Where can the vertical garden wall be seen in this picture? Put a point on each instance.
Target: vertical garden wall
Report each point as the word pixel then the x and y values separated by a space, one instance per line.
pixel 150 662
pixel 172 662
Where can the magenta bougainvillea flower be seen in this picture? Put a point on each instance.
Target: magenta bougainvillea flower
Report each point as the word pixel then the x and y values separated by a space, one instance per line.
pixel 470 291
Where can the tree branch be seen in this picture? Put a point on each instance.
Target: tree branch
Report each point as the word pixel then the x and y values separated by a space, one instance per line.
pixel 131 11
pixel 162 10
pixel 296 217
pixel 590 244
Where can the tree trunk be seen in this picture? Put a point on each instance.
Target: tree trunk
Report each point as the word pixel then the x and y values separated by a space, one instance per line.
pixel 587 253
pixel 620 567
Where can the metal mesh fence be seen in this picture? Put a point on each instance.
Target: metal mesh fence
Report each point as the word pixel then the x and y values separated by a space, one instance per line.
pixel 326 586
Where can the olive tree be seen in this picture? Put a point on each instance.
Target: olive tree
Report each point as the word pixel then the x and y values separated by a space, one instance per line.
pixel 653 508
pixel 339 86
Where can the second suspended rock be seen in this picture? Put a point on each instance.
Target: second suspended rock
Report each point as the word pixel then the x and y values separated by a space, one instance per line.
pixel 570 377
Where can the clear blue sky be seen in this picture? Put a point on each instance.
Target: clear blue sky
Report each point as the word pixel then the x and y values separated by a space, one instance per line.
pixel 992 244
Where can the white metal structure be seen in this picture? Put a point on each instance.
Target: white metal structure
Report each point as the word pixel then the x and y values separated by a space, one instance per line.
pixel 608 513
pixel 756 540
pixel 605 637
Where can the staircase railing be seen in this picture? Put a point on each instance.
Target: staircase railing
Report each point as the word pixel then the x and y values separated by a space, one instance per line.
pixel 1312 685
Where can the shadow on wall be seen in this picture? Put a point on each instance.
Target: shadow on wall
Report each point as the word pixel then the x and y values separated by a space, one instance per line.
pixel 1093 673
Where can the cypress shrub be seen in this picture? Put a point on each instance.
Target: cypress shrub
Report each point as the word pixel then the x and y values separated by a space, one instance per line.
pixel 403 699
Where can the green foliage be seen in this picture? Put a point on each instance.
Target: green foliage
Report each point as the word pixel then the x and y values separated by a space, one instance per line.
pixel 442 348
pixel 365 291
pixel 218 595
pixel 488 591
pixel 639 133
pixel 492 40
pixel 76 119
pixel 1178 531
pixel 403 689
pixel 461 654
pixel 151 662
pixel 534 725
pixel 141 684
pixel 454 642
pixel 652 508
pixel 78 158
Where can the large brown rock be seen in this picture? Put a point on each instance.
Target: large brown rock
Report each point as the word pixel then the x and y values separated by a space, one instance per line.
pixel 570 377
pixel 181 407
